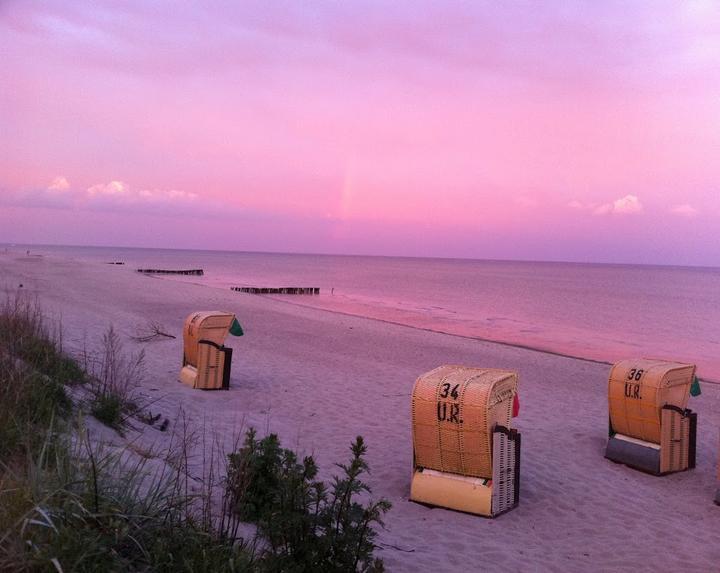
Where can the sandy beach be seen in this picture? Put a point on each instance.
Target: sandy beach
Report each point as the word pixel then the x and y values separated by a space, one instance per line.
pixel 318 379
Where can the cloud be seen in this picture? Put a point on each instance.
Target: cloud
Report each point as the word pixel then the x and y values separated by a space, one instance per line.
pixel 59 184
pixel 119 196
pixel 56 195
pixel 684 210
pixel 112 196
pixel 119 193
pixel 114 188
pixel 159 195
pixel 628 205
pixel 580 41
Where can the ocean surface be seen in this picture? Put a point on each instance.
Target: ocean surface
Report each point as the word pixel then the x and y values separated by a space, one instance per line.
pixel 597 311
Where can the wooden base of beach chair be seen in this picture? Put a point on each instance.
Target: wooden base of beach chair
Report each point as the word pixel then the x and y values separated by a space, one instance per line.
pixel 213 372
pixel 479 496
pixel 674 453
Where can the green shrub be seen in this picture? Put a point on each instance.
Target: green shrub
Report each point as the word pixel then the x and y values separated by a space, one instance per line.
pixel 108 408
pixel 306 525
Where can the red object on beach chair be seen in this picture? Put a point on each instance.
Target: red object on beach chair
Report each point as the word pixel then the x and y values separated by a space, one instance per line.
pixel 516 406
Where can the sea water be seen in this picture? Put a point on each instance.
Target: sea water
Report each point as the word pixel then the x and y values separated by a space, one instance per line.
pixel 597 311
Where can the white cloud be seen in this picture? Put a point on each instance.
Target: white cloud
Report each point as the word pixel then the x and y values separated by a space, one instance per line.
pixel 112 196
pixel 684 210
pixel 119 196
pixel 120 192
pixel 113 188
pixel 171 195
pixel 59 184
pixel 627 205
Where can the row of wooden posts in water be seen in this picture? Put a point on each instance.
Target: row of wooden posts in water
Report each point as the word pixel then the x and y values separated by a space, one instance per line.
pixel 466 454
pixel 245 289
pixel 196 272
pixel 277 290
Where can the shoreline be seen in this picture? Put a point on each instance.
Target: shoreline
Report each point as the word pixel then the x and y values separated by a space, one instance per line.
pixel 548 333
pixel 548 347
pixel 519 345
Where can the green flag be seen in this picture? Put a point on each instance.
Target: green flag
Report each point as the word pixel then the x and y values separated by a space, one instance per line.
pixel 695 387
pixel 235 328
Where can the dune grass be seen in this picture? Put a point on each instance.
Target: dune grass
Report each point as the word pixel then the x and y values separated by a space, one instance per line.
pixel 70 504
pixel 25 335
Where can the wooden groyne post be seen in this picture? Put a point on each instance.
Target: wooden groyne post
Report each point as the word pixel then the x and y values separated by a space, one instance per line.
pixel 197 272
pixel 277 290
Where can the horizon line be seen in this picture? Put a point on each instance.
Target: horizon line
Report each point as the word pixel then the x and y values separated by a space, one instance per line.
pixel 317 254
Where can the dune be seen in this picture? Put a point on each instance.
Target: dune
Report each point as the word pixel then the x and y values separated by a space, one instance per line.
pixel 318 379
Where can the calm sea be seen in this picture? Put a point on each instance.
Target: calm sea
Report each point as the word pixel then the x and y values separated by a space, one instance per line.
pixel 603 312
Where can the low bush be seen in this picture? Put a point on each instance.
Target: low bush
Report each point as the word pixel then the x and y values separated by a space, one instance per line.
pixel 307 526
pixel 108 408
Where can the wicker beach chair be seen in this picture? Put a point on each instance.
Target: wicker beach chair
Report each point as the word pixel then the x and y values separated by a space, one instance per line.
pixel 651 428
pixel 206 362
pixel 465 455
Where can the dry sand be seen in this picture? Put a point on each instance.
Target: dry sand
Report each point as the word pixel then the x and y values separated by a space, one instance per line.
pixel 318 379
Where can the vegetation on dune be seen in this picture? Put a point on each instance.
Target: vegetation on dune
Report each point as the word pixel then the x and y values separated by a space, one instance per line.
pixel 306 525
pixel 25 336
pixel 68 504
pixel 33 374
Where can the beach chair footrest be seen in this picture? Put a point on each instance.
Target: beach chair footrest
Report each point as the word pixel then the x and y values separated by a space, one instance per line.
pixel 641 457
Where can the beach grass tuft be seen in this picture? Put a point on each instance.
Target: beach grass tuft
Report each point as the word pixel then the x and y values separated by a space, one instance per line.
pixel 114 376
pixel 33 374
pixel 25 335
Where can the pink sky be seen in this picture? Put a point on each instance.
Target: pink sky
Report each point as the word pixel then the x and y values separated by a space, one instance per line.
pixel 554 131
